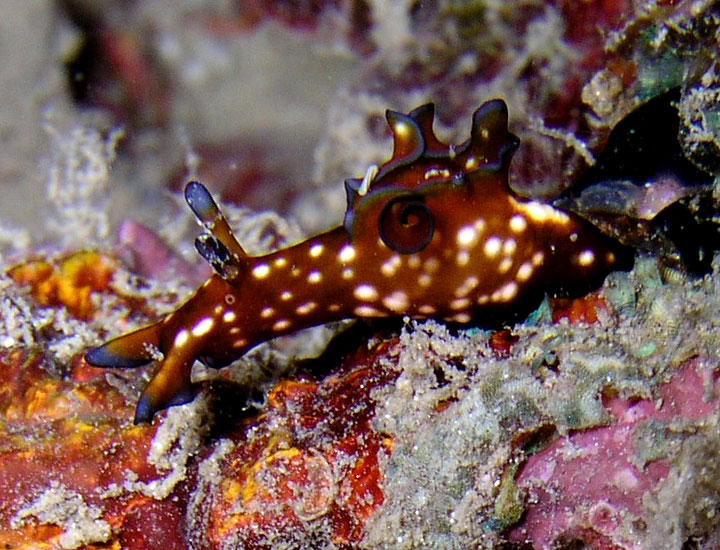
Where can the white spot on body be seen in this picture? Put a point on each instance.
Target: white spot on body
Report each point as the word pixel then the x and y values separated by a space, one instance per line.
pixel 401 129
pixel 397 301
pixel 524 272
pixel 181 338
pixel 432 264
pixel 505 293
pixel 424 280
pixel 414 261
pixel 267 312
pixel 460 303
pixel 234 330
pixel 538 258
pixel 367 311
pixel 280 262
pixel 492 247
pixel 229 316
pixel 239 343
pixel 467 236
pixel 505 265
pixel 586 258
pixel 334 307
pixel 463 258
pixel 518 223
pixel 366 293
pixel 260 271
pixel 509 247
pixel 427 309
pixel 348 273
pixel 314 277
pixel 435 172
pixel 347 254
pixel 468 286
pixel 316 250
pixel 305 308
pixel 281 324
pixel 390 267
pixel 286 295
pixel 540 212
pixel 462 318
pixel 203 326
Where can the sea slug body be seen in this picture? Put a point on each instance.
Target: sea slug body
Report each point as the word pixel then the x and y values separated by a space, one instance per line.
pixel 434 232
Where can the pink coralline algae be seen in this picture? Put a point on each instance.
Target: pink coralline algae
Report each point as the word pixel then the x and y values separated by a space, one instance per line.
pixel 600 486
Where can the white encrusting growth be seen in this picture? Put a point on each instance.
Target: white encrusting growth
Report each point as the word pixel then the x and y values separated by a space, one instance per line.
pixel 203 326
pixel 366 293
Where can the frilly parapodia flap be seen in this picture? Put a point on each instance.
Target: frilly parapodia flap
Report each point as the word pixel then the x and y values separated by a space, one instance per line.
pixel 421 161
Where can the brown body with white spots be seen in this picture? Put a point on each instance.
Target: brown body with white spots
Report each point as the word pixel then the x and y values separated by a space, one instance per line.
pixel 435 232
